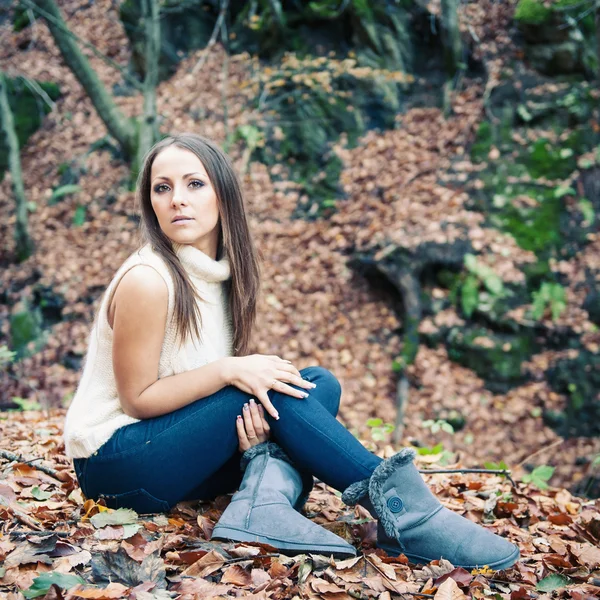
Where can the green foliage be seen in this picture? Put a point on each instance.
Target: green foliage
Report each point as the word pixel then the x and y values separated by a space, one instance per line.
pixel 587 209
pixel 6 356
pixel 22 17
pixel 552 296
pixel 122 516
pixel 62 191
pixel 539 477
pixel 28 112
pixel 536 12
pixel 500 466
pixel 483 142
pixel 79 215
pixel 41 585
pixel 426 451
pixel 437 425
pixel 25 404
pixel 379 429
pixel 40 494
pixel 25 327
pixel 481 285
pixel 552 582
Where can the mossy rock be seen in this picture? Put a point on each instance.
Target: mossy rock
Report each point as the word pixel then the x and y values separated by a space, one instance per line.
pixel 536 12
pixel 579 380
pixel 185 25
pixel 28 111
pixel 496 357
pixel 25 328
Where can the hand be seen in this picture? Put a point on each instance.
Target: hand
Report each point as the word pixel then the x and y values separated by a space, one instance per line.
pixel 252 428
pixel 258 373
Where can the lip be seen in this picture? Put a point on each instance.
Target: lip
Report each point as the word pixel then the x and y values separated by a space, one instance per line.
pixel 181 219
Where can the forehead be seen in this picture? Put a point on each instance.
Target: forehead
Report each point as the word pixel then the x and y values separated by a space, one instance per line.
pixel 174 162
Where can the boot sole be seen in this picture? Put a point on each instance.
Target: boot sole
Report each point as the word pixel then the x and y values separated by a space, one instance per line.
pixel 499 565
pixel 285 546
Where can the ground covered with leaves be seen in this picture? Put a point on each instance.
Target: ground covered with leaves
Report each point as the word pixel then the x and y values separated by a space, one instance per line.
pixel 56 544
pixel 400 187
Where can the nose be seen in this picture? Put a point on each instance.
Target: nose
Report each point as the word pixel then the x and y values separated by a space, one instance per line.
pixel 178 197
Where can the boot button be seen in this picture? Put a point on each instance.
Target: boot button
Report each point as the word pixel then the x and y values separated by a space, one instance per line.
pixel 395 504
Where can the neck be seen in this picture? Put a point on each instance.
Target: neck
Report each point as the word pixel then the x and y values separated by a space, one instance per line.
pixel 201 265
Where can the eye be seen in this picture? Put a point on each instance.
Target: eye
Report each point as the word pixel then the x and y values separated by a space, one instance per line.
pixel 158 188
pixel 196 183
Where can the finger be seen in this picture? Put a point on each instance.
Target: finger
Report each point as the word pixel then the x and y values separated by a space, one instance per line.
pixel 266 426
pixel 279 386
pixel 264 400
pixel 278 358
pixel 289 368
pixel 288 377
pixel 256 420
pixel 241 433
pixel 248 425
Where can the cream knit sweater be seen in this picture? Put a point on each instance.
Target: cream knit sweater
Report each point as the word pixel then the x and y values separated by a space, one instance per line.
pixel 95 412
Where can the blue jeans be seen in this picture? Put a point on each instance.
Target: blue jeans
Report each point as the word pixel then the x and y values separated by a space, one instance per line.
pixel 192 453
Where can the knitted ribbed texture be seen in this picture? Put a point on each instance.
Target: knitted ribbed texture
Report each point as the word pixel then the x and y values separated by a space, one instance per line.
pixel 95 412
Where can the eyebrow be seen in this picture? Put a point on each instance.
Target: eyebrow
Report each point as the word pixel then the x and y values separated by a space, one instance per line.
pixel 184 177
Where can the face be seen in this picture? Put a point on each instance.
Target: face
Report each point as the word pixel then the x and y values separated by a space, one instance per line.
pixel 184 200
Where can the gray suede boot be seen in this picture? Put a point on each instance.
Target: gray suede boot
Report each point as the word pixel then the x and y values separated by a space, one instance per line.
pixel 265 509
pixel 413 522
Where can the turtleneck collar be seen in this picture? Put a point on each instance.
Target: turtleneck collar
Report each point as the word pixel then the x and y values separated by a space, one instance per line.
pixel 201 265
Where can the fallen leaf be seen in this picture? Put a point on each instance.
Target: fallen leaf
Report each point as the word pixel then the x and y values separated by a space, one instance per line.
pixel 449 590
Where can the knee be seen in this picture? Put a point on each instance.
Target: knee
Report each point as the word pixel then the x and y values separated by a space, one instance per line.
pixel 328 390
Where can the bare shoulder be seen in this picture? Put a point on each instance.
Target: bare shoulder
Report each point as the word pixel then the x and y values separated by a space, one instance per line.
pixel 141 291
pixel 141 280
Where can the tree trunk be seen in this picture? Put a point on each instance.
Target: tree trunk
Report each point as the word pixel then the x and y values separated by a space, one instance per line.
pixel 148 125
pixel 453 48
pixel 24 244
pixel 108 111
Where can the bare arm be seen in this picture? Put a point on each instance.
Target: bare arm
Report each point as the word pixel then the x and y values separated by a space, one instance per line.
pixel 138 313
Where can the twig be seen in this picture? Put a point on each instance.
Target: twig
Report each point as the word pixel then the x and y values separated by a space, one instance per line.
pixel 12 456
pixel 24 518
pixel 35 86
pixel 255 557
pixel 540 451
pixel 213 37
pixel 19 533
pixel 493 471
pixel 504 472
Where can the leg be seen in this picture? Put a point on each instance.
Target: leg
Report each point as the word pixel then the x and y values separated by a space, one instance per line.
pixel 155 463
pixel 314 439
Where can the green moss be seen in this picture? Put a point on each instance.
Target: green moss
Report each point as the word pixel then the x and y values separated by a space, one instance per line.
pixel 25 327
pixel 536 228
pixel 496 358
pixel 28 111
pixel 483 142
pixel 534 12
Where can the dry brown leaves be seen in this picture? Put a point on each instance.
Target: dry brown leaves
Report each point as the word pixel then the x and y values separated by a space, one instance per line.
pixel 313 309
pixel 46 525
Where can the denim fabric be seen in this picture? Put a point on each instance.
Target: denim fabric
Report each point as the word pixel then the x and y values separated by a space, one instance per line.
pixel 191 453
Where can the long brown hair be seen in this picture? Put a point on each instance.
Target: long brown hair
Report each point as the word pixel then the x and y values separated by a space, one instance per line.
pixel 235 239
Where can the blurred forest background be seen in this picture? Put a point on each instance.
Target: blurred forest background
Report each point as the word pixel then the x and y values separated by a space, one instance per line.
pixel 422 178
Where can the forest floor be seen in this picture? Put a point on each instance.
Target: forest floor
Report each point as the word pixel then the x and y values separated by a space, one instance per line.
pixel 313 310
pixel 53 539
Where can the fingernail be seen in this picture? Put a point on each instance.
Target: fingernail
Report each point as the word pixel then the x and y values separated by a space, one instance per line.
pixel 313 385
pixel 239 417
pixel 304 395
pixel 245 407
pixel 277 417
pixel 252 401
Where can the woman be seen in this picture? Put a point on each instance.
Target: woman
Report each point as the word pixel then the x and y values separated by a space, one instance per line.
pixel 167 395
